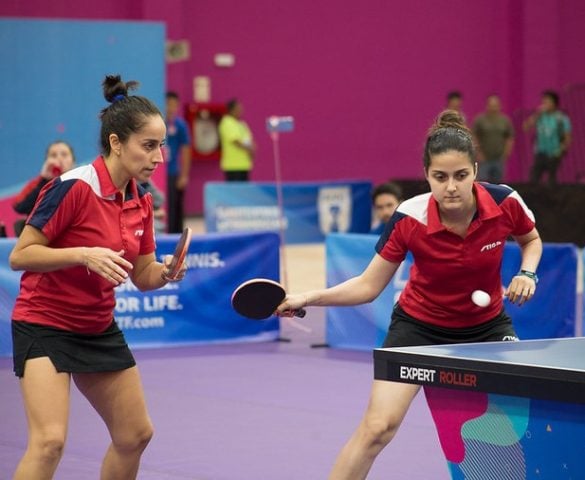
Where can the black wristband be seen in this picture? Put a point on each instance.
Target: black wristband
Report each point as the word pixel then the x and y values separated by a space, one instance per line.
pixel 529 274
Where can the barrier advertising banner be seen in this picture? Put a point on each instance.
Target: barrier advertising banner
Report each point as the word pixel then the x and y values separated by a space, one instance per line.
pixel 194 311
pixel 310 210
pixel 551 313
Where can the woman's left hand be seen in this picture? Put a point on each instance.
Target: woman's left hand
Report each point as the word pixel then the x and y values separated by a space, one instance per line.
pixel 521 289
pixel 167 268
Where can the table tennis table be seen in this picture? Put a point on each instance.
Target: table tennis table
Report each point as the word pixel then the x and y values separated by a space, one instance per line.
pixel 503 410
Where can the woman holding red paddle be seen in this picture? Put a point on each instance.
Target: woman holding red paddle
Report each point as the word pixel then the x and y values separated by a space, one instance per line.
pixel 91 230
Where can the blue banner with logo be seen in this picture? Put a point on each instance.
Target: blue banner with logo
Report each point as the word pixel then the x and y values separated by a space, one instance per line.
pixel 310 210
pixel 194 311
pixel 551 313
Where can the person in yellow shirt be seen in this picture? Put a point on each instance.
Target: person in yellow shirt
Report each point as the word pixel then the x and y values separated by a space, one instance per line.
pixel 237 144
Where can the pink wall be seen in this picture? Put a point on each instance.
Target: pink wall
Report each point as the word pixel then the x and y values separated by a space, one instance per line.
pixel 363 81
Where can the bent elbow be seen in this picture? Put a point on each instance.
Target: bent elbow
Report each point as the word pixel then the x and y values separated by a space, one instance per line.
pixel 370 298
pixel 14 261
pixel 140 285
pixel 370 295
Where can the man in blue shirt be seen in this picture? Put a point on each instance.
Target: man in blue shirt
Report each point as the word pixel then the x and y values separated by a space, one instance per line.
pixel 553 136
pixel 178 162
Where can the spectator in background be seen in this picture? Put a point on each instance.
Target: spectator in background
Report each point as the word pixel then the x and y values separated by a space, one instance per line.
pixel 59 158
pixel 553 137
pixel 385 199
pixel 237 144
pixel 178 162
pixel 494 135
pixel 454 101
pixel 158 206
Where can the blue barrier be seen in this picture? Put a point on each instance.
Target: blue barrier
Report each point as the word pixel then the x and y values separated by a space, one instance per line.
pixel 311 210
pixel 194 311
pixel 553 312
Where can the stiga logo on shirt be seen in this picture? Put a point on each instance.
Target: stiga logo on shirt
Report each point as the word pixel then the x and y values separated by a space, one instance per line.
pixel 490 246
pixel 138 233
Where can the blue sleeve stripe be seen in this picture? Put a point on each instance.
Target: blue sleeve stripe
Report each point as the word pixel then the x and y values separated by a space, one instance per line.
pixel 50 202
pixel 498 192
pixel 388 230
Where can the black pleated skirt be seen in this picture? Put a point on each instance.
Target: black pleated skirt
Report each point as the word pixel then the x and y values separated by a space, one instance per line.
pixel 69 351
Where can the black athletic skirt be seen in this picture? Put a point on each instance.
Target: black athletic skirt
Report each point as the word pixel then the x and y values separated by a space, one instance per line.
pixel 407 331
pixel 69 351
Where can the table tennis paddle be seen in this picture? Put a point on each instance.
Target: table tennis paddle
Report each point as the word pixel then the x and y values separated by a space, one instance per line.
pixel 258 298
pixel 180 253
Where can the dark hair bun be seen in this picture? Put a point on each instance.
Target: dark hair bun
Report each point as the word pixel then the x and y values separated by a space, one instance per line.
pixel 114 87
pixel 449 119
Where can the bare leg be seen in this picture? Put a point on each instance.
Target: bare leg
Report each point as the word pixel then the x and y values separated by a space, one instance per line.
pixel 389 402
pixel 119 399
pixel 46 401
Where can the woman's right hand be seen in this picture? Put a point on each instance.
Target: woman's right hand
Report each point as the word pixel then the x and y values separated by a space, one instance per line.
pixel 51 168
pixel 291 304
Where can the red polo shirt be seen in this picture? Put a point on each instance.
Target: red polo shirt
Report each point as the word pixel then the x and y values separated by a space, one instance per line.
pixel 83 208
pixel 448 268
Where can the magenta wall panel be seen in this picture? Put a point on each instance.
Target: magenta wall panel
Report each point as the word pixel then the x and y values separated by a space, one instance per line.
pixel 363 80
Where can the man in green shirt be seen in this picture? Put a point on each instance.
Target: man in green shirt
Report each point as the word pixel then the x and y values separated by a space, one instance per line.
pixel 494 135
pixel 237 144
pixel 553 137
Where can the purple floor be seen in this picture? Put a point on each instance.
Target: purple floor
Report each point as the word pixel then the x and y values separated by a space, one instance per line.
pixel 272 411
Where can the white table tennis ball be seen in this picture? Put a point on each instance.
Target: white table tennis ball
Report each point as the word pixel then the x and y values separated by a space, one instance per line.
pixel 480 298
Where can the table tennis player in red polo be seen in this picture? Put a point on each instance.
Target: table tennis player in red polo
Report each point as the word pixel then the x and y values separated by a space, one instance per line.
pixel 456 234
pixel 91 230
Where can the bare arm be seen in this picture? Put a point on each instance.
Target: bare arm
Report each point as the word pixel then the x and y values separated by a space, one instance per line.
pixel 567 138
pixel 33 254
pixel 522 288
pixel 508 146
pixel 529 123
pixel 357 290
pixel 249 147
pixel 480 156
pixel 148 274
pixel 531 246
pixel 183 179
